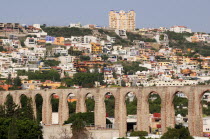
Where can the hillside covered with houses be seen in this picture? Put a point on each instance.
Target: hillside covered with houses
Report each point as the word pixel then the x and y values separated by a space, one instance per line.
pixel 35 57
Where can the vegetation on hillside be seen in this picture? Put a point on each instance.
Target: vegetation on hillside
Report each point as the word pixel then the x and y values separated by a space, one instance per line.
pixel 2 49
pixel 87 79
pixel 130 37
pixel 134 36
pixel 130 68
pixel 66 31
pixel 52 75
pixel 118 41
pixel 51 63
pixel 178 40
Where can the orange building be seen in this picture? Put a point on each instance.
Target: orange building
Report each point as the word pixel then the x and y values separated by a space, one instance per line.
pixel 82 66
pixel 194 39
pixel 96 48
pixel 59 41
pixel 72 99
pixel 5 87
pixel 51 84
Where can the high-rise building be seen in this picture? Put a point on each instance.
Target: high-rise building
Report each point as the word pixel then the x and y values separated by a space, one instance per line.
pixel 122 20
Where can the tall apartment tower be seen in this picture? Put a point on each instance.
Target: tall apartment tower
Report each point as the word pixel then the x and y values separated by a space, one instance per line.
pixel 122 20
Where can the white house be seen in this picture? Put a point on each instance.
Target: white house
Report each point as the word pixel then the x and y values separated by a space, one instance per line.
pixel 75 25
pixel 31 42
pixel 180 29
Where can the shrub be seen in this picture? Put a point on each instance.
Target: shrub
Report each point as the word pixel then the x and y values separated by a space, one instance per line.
pixel 139 133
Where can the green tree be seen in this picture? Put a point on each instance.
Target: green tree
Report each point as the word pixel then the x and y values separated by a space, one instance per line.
pixel 161 37
pixel 78 129
pixel 9 80
pixel 10 107
pixel 132 67
pixel 174 133
pixel 13 131
pixel 154 103
pixel 131 106
pixel 39 103
pixel 26 109
pixel 104 57
pixel 86 117
pixel 180 105
pixel 90 104
pixel 87 79
pixel 114 75
pixel 68 82
pixel 2 49
pixel 72 107
pixel 51 63
pixel 84 58
pixel 110 106
pixel 52 75
pixel 21 72
pixel 16 122
pixel 17 81
pixel 123 84
pixel 66 31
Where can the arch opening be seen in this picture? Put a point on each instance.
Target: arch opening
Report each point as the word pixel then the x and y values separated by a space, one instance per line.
pixel 39 103
pixel 55 108
pixel 26 107
pixel 90 107
pixel 205 111
pixel 180 103
pixel 90 102
pixel 23 100
pixel 10 106
pixel 72 102
pixel 110 109
pixel 9 99
pixel 131 111
pixel 154 101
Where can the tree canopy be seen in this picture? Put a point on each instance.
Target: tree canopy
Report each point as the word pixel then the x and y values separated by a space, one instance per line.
pixel 51 63
pixel 173 133
pixel 154 103
pixel 180 105
pixel 52 75
pixel 86 117
pixel 66 32
pixel 18 122
pixel 110 106
pixel 131 106
pixel 87 79
pixel 132 68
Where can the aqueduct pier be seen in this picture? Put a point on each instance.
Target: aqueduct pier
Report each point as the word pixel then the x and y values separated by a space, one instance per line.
pixel 193 93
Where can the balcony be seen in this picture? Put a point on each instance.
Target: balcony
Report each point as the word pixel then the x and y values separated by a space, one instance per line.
pixel 1 25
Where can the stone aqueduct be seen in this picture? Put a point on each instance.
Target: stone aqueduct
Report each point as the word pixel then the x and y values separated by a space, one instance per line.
pixel 194 94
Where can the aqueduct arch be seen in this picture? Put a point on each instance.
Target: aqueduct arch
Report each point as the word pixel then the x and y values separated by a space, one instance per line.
pixel 194 94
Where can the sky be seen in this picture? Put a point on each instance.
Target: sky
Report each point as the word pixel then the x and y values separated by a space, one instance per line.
pixel 194 14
